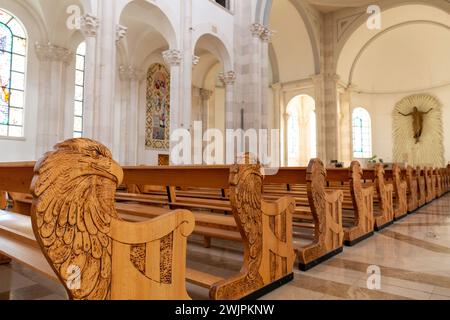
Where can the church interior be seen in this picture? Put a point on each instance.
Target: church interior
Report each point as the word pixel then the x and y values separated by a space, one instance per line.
pixel 224 150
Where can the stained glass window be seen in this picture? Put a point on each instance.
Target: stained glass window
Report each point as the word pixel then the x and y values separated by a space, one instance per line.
pixel 13 49
pixel 362 134
pixel 79 91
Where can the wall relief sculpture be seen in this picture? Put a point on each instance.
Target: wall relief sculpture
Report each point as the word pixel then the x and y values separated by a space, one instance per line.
pixel 418 131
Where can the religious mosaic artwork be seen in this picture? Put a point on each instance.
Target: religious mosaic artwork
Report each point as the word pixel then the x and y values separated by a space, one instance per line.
pixel 12 75
pixel 158 108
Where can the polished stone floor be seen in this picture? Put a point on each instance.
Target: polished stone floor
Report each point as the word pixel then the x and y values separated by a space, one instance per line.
pixel 413 256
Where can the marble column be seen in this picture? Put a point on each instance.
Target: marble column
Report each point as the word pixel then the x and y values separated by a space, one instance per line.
pixel 253 114
pixel 318 81
pixel 266 36
pixel 89 28
pixel 186 64
pixel 205 95
pixel 228 79
pixel 345 124
pixel 52 79
pixel 105 74
pixel 130 78
pixel 173 59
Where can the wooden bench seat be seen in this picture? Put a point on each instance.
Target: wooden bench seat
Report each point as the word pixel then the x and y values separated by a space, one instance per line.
pixel 18 242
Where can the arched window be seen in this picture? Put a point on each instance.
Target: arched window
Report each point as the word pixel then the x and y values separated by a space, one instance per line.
pixel 362 134
pixel 313 134
pixel 301 130
pixel 79 91
pixel 13 50
pixel 293 130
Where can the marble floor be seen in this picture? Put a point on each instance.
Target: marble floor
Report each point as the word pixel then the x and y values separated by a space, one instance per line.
pixel 413 256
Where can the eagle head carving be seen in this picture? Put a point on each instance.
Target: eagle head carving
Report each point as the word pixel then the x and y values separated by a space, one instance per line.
pixel 73 190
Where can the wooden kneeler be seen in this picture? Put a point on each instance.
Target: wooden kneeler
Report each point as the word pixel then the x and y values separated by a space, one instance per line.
pixel 95 255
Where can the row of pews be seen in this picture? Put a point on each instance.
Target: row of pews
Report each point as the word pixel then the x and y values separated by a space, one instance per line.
pixel 107 232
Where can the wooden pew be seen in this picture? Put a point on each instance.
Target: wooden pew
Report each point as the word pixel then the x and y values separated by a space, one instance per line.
pixel 413 192
pixel 76 236
pixel 400 191
pixel 383 208
pixel 321 209
pixel 359 212
pixel 265 227
pixel 324 243
pixel 269 259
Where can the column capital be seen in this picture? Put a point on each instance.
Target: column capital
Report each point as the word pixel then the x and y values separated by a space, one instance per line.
pixel 317 78
pixel 267 34
pixel 260 31
pixel 256 29
pixel 128 73
pixel 227 78
pixel 121 32
pixel 89 25
pixel 172 57
pixel 351 88
pixel 205 94
pixel 50 52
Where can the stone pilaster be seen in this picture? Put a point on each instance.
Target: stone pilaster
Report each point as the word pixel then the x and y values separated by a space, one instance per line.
pixel 52 92
pixel 173 59
pixel 318 81
pixel 130 78
pixel 105 75
pixel 89 28
pixel 228 79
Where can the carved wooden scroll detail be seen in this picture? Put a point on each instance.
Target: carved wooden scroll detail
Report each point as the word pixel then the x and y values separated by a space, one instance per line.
pixel 413 189
pixel 266 231
pixel 326 209
pixel 385 195
pixel 245 197
pixel 400 189
pixel 428 185
pixel 421 182
pixel 362 198
pixel 96 255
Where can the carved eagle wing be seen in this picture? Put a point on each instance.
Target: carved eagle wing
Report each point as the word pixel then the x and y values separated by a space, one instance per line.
pixel 73 189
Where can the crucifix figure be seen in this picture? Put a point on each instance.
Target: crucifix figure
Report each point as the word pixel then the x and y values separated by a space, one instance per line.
pixel 417 122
